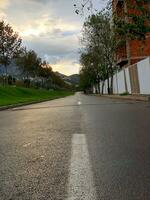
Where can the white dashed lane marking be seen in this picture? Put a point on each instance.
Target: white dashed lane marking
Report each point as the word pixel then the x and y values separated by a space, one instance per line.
pixel 79 102
pixel 81 184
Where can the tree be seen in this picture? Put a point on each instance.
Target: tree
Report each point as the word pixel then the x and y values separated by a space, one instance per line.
pixel 135 24
pixel 88 5
pixel 132 24
pixel 45 74
pixel 98 41
pixel 10 45
pixel 88 73
pixel 29 63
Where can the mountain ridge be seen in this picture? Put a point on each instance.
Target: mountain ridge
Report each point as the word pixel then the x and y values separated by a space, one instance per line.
pixel 72 79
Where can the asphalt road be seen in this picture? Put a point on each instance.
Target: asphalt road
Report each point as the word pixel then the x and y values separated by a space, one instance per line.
pixel 76 148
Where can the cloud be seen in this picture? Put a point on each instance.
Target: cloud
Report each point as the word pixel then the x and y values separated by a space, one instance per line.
pixel 66 66
pixel 53 46
pixel 2 15
pixel 46 25
pixel 4 4
pixel 39 1
pixel 49 27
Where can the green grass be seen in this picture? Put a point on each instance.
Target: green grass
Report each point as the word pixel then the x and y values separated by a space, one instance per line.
pixel 16 95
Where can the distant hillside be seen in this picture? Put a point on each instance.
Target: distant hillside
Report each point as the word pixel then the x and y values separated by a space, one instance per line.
pixel 72 79
pixel 75 79
pixel 14 71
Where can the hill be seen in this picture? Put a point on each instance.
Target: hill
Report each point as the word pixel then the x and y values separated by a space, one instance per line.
pixel 72 79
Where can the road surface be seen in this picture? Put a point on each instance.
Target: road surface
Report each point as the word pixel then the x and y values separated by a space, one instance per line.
pixel 76 148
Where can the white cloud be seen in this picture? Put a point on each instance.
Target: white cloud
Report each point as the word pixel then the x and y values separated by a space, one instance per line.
pixel 4 4
pixel 45 26
pixel 66 66
pixel 50 27
pixel 3 15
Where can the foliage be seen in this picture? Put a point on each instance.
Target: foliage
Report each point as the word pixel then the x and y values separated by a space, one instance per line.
pixel 137 25
pixel 29 63
pixel 88 5
pixel 10 44
pixel 34 71
pixel 105 31
pixel 87 72
pixel 97 55
pixel 124 94
pixel 134 24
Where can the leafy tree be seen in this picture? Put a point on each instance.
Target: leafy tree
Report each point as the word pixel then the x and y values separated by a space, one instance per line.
pixel 88 75
pixel 10 44
pixel 88 5
pixel 45 73
pixel 134 24
pixel 29 63
pixel 98 41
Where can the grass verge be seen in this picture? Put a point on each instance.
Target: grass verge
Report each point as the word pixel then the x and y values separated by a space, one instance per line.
pixel 17 95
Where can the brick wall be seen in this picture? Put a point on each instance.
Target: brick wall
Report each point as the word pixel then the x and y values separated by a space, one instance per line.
pixel 138 49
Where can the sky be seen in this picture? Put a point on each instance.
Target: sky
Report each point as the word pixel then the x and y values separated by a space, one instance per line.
pixel 50 27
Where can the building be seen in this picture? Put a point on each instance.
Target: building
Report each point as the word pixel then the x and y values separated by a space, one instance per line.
pixel 132 51
pixel 133 56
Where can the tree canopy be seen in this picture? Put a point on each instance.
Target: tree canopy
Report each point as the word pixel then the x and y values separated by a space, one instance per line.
pixel 31 66
pixel 10 44
pixel 98 48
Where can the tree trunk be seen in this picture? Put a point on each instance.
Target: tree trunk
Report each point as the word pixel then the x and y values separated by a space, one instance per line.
pixel 111 85
pixel 103 83
pixel 108 86
pixel 99 87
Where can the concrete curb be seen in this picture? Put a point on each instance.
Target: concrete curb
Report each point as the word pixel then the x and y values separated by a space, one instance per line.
pixel 128 97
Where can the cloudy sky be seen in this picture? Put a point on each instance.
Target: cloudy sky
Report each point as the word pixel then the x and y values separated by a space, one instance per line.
pixel 50 27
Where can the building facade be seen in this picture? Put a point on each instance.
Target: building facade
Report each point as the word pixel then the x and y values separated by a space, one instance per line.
pixel 132 51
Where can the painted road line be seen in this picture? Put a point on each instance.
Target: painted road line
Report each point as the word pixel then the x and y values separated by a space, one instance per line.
pixel 81 184
pixel 79 102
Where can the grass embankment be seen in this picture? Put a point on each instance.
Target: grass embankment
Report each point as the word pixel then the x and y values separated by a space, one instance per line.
pixel 17 95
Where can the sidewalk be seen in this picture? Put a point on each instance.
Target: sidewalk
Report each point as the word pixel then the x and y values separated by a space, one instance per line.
pixel 129 97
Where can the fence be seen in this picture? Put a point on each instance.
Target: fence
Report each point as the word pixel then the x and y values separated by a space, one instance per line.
pixel 134 79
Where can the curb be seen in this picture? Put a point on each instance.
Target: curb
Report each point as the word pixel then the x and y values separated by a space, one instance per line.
pixel 131 97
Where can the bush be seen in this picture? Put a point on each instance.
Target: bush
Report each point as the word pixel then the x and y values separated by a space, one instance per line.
pixel 19 83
